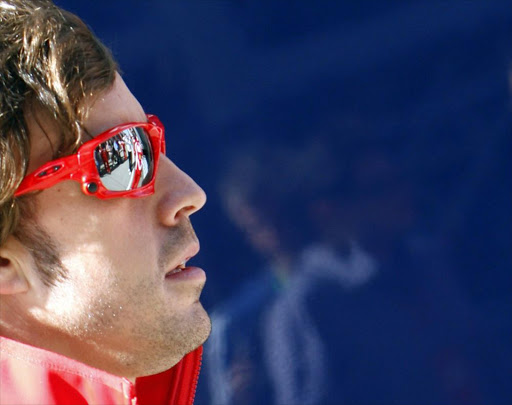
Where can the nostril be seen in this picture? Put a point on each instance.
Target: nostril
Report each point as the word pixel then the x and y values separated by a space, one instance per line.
pixel 186 211
pixel 173 206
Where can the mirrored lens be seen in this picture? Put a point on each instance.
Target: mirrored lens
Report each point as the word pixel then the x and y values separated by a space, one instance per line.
pixel 125 161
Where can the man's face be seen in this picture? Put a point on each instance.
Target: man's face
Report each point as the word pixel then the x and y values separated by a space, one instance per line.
pixel 119 309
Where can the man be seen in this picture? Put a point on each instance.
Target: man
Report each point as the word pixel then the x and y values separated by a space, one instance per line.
pixel 97 304
pixel 297 330
pixel 274 192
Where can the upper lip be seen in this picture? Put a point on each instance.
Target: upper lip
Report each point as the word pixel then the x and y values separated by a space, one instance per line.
pixel 190 251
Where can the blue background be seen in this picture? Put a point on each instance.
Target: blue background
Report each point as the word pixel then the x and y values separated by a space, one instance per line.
pixel 407 105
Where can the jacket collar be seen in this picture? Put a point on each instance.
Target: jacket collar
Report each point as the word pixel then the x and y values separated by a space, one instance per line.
pixel 29 374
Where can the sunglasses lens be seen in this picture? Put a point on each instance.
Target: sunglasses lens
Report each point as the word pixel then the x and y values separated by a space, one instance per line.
pixel 125 161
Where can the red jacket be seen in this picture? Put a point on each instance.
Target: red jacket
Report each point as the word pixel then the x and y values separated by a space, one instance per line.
pixel 30 375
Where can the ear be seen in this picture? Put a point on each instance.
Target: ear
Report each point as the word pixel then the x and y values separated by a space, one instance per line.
pixel 12 267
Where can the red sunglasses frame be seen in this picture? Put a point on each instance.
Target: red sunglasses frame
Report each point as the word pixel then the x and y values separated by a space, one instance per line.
pixel 81 166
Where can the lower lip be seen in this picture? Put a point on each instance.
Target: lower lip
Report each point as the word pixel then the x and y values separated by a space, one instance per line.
pixel 188 273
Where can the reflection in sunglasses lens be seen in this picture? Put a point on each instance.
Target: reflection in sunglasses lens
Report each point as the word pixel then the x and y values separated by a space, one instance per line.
pixel 125 161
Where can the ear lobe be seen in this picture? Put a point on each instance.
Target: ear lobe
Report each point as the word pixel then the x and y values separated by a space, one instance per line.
pixel 12 276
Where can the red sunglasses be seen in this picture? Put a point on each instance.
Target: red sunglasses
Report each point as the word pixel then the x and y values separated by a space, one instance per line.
pixel 120 162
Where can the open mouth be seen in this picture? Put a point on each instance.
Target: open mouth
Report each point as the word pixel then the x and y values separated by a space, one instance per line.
pixel 183 268
pixel 178 269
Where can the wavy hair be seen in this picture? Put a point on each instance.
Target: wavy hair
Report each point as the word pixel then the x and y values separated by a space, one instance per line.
pixel 49 60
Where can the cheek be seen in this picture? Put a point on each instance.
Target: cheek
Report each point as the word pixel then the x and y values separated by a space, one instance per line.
pixel 85 225
pixel 118 257
pixel 99 241
pixel 102 282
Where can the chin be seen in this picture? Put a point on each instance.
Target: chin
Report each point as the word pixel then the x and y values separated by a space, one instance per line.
pixel 196 333
pixel 171 355
pixel 203 328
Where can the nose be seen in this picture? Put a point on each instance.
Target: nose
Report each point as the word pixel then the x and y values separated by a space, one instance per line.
pixel 178 195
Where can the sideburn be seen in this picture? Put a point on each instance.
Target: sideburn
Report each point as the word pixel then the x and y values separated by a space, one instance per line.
pixel 40 244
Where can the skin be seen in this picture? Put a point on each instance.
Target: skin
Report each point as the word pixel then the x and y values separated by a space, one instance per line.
pixel 116 310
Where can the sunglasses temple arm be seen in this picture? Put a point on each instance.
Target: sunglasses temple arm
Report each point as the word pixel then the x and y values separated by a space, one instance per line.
pixel 50 174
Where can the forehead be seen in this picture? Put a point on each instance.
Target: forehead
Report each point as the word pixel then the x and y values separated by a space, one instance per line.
pixel 113 107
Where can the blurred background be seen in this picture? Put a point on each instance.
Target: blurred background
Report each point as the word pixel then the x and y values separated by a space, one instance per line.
pixel 357 159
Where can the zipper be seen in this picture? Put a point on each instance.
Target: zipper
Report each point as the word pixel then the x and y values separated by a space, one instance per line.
pixel 185 378
pixel 129 391
pixel 196 379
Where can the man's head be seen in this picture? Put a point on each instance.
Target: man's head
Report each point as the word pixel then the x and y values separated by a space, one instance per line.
pixel 87 277
pixel 327 188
